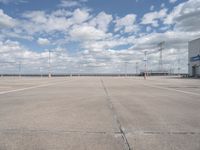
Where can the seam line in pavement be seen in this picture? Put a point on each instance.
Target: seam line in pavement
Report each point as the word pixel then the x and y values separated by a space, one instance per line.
pixel 99 132
pixel 169 89
pixel 23 89
pixel 54 131
pixel 126 144
pixel 28 88
pixel 172 133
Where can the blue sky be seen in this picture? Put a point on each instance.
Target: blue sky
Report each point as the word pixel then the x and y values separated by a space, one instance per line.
pixel 92 35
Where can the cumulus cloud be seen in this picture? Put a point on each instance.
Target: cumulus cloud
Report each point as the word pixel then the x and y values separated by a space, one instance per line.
pixel 80 16
pixel 172 1
pixel 148 28
pixel 176 45
pixel 13 54
pixel 84 33
pixel 127 23
pixel 153 17
pixel 103 42
pixel 43 41
pixel 40 21
pixel 6 21
pixel 68 3
pixel 71 3
pixel 102 21
pixel 185 16
pixel 152 7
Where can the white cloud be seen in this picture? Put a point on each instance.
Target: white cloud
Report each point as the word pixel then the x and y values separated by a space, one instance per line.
pixel 185 16
pixel 86 33
pixel 36 16
pixel 175 13
pixel 152 7
pixel 43 41
pixel 105 44
pixel 56 21
pixel 68 3
pixel 162 5
pixel 101 21
pixel 12 52
pixel 153 17
pixel 127 23
pixel 99 47
pixel 71 3
pixel 172 1
pixel 173 39
pixel 40 22
pixel 80 16
pixel 62 13
pixel 5 20
pixel 148 28
pixel 178 41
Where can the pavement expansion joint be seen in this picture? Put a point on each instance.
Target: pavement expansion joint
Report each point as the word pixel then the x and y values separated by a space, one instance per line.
pixel 32 87
pixel 53 131
pixel 123 134
pixel 172 133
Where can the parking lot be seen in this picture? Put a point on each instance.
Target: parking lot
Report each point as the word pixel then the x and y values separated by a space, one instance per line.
pixel 99 113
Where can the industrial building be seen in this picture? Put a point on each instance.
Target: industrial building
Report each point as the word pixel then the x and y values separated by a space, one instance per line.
pixel 194 58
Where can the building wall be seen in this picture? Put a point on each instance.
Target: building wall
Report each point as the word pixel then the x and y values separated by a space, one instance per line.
pixel 194 56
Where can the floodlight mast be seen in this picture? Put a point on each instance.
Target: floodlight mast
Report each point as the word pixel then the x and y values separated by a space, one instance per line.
pixel 145 65
pixel 136 68
pixel 20 67
pixel 49 66
pixel 179 63
pixel 40 71
pixel 126 63
pixel 161 46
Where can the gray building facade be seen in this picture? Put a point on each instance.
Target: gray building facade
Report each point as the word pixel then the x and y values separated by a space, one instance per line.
pixel 194 58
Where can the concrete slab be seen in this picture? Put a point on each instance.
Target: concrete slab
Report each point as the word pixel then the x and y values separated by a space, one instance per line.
pixel 155 118
pixel 44 140
pixel 84 113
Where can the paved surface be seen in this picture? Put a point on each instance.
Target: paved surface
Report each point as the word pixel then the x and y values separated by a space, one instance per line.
pixel 99 113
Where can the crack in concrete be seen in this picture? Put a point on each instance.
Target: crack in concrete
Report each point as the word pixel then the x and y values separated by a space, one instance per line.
pixel 54 131
pixel 172 133
pixel 123 134
pixel 99 132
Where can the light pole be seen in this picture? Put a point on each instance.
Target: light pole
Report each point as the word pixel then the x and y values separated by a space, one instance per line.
pixel 40 72
pixel 178 62
pixel 161 46
pixel 145 64
pixel 20 67
pixel 126 63
pixel 49 66
pixel 136 68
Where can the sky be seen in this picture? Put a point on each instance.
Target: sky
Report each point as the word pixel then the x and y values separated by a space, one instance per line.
pixel 96 36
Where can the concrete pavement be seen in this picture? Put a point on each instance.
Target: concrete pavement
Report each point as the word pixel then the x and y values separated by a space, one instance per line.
pixel 105 113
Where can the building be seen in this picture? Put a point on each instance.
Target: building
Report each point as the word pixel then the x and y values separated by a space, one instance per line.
pixel 194 58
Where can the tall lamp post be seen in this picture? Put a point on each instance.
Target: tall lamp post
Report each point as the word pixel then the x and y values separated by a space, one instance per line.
pixel 126 63
pixel 145 64
pixel 136 68
pixel 49 65
pixel 20 68
pixel 161 47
